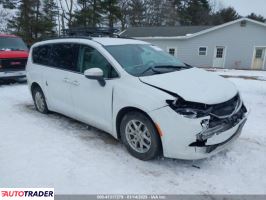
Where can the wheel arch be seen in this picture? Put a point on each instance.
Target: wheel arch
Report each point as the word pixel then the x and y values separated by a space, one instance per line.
pixel 33 86
pixel 126 110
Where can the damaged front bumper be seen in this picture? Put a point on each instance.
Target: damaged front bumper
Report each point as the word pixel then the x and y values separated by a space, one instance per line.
pixel 192 139
pixel 219 146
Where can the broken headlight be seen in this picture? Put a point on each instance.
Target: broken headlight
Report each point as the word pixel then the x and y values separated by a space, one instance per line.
pixel 189 109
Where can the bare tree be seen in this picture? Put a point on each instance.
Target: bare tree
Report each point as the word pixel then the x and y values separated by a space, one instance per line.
pixel 4 16
pixel 67 12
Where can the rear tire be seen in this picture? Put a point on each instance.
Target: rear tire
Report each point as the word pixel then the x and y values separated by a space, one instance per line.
pixel 140 136
pixel 39 100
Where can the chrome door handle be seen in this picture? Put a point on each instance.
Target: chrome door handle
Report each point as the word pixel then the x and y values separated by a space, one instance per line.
pixel 76 83
pixel 66 80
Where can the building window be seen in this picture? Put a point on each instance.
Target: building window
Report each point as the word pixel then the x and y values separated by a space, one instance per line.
pixel 220 53
pixel 172 51
pixel 259 53
pixel 203 51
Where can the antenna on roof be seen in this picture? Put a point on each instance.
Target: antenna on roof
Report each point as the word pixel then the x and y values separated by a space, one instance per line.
pixel 91 32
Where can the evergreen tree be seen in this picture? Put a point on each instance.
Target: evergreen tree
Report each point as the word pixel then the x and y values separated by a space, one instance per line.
pixel 33 19
pixel 259 18
pixel 228 14
pixel 50 12
pixel 90 13
pixel 112 10
pixel 124 10
pixel 195 12
pixel 22 23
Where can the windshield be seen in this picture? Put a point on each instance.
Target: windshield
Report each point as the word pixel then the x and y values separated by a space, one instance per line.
pixel 144 59
pixel 12 44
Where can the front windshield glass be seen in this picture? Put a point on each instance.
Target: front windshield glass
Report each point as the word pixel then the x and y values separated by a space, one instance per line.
pixel 144 59
pixel 12 44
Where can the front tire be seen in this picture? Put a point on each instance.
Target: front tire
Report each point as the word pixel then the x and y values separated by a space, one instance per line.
pixel 140 136
pixel 39 100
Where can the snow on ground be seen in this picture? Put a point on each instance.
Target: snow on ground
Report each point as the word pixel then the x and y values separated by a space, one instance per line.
pixel 54 151
pixel 259 75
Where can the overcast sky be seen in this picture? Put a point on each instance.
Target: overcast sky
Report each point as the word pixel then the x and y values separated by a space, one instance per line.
pixel 245 7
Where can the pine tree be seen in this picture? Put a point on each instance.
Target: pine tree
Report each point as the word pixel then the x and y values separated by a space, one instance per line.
pixel 224 15
pixel 89 13
pixel 124 10
pixel 33 19
pixel 259 18
pixel 50 12
pixel 195 12
pixel 112 10
pixel 22 23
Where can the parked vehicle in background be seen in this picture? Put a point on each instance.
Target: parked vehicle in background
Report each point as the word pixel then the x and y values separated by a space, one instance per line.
pixel 140 94
pixel 13 57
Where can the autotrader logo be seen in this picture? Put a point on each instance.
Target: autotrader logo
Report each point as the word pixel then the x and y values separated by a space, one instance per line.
pixel 27 193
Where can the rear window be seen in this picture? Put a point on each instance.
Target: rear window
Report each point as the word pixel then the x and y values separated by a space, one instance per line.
pixel 65 56
pixel 60 55
pixel 12 44
pixel 40 54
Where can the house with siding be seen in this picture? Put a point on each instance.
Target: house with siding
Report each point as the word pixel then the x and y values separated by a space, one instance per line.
pixel 239 44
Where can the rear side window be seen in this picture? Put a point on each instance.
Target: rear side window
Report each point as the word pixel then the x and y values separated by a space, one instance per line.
pixel 65 56
pixel 40 54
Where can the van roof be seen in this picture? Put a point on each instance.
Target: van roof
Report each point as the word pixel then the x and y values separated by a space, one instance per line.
pixel 105 41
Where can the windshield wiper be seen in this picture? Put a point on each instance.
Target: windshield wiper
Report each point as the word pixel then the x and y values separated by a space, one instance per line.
pixel 157 71
pixel 170 67
pixel 148 69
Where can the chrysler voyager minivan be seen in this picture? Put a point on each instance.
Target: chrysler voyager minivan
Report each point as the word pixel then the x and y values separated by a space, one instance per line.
pixel 149 100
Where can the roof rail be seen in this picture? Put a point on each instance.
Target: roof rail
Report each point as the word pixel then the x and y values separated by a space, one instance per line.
pixel 66 37
pixel 91 32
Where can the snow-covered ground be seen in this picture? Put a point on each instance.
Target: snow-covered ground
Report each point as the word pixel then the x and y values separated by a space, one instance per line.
pixel 259 75
pixel 54 151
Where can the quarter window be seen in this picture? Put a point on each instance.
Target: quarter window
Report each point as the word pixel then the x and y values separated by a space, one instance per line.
pixel 91 58
pixel 65 56
pixel 203 51
pixel 40 54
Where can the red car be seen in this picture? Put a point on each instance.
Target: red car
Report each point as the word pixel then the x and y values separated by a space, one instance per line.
pixel 13 57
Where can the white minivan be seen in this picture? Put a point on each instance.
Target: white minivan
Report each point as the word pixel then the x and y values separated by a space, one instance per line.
pixel 148 99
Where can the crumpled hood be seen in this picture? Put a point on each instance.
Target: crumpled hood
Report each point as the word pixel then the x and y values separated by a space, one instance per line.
pixel 195 85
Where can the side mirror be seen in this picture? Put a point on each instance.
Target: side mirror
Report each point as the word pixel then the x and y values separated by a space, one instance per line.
pixel 95 74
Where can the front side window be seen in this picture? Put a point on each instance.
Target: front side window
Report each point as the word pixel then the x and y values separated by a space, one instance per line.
pixel 91 58
pixel 12 44
pixel 144 59
pixel 40 54
pixel 65 56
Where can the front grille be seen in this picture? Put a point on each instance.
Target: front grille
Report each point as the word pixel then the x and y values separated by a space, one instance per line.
pixel 226 108
pixel 13 64
pixel 217 125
